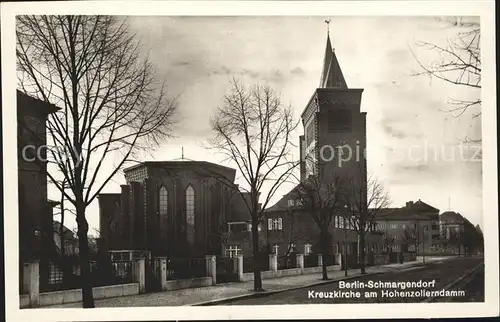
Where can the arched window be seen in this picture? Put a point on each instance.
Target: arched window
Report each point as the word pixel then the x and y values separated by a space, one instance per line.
pixel 190 213
pixel 163 201
pixel 190 205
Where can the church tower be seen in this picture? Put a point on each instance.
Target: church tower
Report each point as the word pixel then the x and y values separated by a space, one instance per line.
pixel 334 139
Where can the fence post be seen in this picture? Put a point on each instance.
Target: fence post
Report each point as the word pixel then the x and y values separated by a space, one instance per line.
pixel 300 263
pixel 32 269
pixel 239 267
pixel 339 261
pixel 273 262
pixel 211 268
pixel 163 272
pixel 140 274
pixel 320 260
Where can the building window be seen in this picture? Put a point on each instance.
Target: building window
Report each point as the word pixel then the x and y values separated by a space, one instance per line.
pixel 233 251
pixel 163 201
pixel 275 224
pixel 276 249
pixel 307 249
pixel 291 203
pixel 342 222
pixel 259 227
pixel 292 248
pixel 336 222
pixel 310 132
pixel 190 211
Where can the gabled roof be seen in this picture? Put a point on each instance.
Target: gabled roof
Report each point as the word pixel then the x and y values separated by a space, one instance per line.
pixel 68 234
pixel 451 216
pixel 201 166
pixel 239 210
pixel 410 210
pixel 331 76
pixel 282 204
pixel 30 105
pixel 422 207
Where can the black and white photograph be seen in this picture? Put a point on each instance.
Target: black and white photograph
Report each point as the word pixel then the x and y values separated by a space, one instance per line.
pixel 214 160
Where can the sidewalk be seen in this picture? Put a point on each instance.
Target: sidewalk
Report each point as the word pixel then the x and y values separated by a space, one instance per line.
pixel 225 292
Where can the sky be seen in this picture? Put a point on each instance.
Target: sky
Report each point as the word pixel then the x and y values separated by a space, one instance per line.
pixel 414 146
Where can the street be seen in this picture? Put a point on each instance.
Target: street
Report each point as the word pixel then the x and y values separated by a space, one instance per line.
pixel 473 286
pixel 437 275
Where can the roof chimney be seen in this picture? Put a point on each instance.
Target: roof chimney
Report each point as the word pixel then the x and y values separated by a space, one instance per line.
pixel 409 204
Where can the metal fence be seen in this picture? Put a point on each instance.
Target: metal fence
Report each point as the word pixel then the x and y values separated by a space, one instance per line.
pixel 153 274
pixel 285 262
pixel 183 268
pixel 330 260
pixel 226 269
pixel 101 274
pixel 249 263
pixel 22 288
pixel 311 260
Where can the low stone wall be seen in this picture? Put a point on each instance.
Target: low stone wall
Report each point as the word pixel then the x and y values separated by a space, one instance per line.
pixel 189 283
pixel 409 257
pixel 288 272
pixel 71 296
pixel 319 269
pixel 380 259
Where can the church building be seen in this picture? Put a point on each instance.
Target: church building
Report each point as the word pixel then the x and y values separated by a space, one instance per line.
pixel 172 208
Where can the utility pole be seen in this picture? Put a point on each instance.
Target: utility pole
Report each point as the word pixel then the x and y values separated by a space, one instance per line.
pixel 423 242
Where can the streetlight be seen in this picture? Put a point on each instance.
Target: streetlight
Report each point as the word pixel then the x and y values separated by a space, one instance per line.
pixel 345 242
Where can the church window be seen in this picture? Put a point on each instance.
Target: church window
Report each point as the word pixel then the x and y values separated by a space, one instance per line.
pixel 163 201
pixel 190 211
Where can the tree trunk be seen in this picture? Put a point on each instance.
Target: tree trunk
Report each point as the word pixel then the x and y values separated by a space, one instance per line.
pixel 66 265
pixel 362 252
pixel 324 251
pixel 257 281
pixel 83 227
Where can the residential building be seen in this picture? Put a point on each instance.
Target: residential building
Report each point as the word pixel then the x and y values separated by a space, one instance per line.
pixel 458 235
pixel 66 237
pixel 413 228
pixel 289 227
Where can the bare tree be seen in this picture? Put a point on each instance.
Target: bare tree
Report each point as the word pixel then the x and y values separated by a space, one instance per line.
pixel 111 104
pixel 253 129
pixel 409 237
pixel 458 63
pixel 323 200
pixel 364 201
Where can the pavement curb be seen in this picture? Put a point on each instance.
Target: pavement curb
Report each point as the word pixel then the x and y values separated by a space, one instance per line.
pixel 267 293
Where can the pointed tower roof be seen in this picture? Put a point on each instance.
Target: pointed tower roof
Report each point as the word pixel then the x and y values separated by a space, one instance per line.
pixel 331 76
